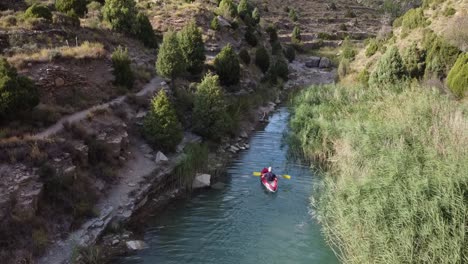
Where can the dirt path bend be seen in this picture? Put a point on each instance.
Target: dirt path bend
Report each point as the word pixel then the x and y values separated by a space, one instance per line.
pixel 78 116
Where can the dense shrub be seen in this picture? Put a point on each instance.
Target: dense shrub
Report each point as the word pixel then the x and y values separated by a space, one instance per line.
pixel 210 118
pixel 170 62
pixel 390 69
pixel 440 56
pixel 414 60
pixel 449 11
pixel 293 15
pixel 262 59
pixel 120 14
pixel 243 8
pixel 457 79
pixel 250 38
pixel 350 14
pixel 144 31
pixel 193 48
pixel 78 6
pixel 17 93
pixel 276 48
pixel 343 68
pixel 290 53
pixel 348 51
pixel 372 48
pixel 38 11
pixel 161 127
pixel 363 77
pixel 278 69
pixel 272 33
pixel 244 56
pixel 227 8
pixel 296 37
pixel 121 68
pixel 235 24
pixel 343 27
pixel 256 16
pixel 214 25
pixel 414 18
pixel 227 66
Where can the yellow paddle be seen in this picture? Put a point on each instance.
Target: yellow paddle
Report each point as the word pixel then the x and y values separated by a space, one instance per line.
pixel 256 173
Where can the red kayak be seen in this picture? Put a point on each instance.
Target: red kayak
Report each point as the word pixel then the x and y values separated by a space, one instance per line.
pixel 271 186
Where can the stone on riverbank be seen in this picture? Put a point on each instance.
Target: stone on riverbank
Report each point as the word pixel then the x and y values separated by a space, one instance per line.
pixel 160 157
pixel 136 245
pixel 201 181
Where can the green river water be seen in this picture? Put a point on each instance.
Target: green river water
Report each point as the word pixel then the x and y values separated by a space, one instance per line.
pixel 242 223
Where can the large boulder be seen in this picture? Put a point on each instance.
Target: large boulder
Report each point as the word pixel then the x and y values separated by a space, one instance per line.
pixel 201 181
pixel 325 63
pixel 313 62
pixel 136 245
pixel 160 157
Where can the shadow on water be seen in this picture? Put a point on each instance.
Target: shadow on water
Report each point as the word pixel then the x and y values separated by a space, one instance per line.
pixel 242 223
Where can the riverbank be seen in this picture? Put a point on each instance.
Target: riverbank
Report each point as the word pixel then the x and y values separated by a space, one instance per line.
pixel 395 181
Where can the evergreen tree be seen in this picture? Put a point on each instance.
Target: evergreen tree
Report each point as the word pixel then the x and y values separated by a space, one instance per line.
pixel 262 59
pixel 214 25
pixel 121 68
pixel 457 79
pixel 273 33
pixel 293 15
pixel 243 8
pixel 415 61
pixel 78 6
pixel 144 31
pixel 256 16
pixel 390 69
pixel 17 93
pixel 170 62
pixel 120 14
pixel 227 8
pixel 290 53
pixel 161 126
pixel 192 46
pixel 227 66
pixel 38 11
pixel 296 37
pixel 210 118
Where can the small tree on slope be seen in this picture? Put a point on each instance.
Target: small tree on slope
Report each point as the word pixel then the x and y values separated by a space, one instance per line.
pixel 390 69
pixel 170 62
pixel 161 126
pixel 227 66
pixel 193 48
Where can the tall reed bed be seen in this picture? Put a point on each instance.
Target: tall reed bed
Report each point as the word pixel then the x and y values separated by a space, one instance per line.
pixel 395 186
pixel 194 160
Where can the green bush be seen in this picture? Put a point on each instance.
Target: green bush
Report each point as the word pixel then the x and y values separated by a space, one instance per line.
pixel 278 69
pixel 415 61
pixel 214 25
pixel 276 48
pixel 161 127
pixel 243 8
pixel 17 93
pixel 244 56
pixel 390 69
pixel 449 11
pixel 250 38
pixel 144 31
pixel 440 56
pixel 290 53
pixel 235 24
pixel 121 68
pixel 227 8
pixel 210 118
pixel 348 51
pixel 78 6
pixel 350 14
pixel 170 62
pixel 120 14
pixel 227 66
pixel 193 48
pixel 457 79
pixel 414 18
pixel 293 15
pixel 343 68
pixel 372 48
pixel 343 27
pixel 256 16
pixel 38 11
pixel 363 77
pixel 262 59
pixel 296 37
pixel 272 33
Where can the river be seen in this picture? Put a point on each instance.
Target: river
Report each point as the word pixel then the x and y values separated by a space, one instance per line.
pixel 242 223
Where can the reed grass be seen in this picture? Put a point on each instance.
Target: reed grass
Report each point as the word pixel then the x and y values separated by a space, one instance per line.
pixel 194 160
pixel 395 187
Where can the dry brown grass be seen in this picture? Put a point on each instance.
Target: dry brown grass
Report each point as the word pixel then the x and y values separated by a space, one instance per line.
pixel 87 50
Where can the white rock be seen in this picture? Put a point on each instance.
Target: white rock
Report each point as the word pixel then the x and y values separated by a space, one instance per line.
pixel 115 242
pixel 160 157
pixel 136 245
pixel 201 181
pixel 244 134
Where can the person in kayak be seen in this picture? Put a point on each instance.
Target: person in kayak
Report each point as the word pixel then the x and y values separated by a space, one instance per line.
pixel 270 176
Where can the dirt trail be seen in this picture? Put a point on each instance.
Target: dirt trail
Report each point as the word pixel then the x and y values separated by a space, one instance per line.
pixel 78 116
